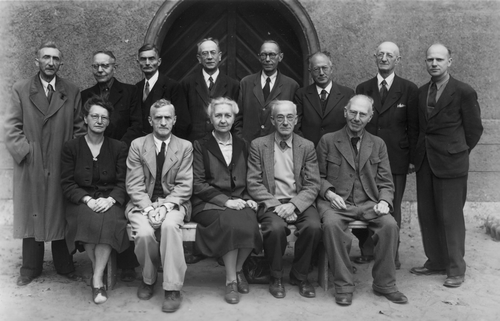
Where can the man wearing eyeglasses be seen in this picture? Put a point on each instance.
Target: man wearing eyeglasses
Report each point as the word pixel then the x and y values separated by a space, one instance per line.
pixel 394 120
pixel 258 90
pixel 283 178
pixel 126 120
pixel 204 84
pixel 45 112
pixel 156 86
pixel 321 105
pixel 356 184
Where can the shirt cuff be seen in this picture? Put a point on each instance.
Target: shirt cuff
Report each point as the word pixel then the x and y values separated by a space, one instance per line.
pixel 146 210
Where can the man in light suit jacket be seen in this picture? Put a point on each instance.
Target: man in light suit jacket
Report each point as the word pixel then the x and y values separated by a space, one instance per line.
pixel 125 123
pixel 283 178
pixel 395 121
pixel 45 112
pixel 449 128
pixel 204 84
pixel 258 90
pixel 356 184
pixel 160 182
pixel 156 86
pixel 320 106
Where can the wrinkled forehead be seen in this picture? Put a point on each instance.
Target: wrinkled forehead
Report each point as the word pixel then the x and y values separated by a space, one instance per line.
pixel 269 47
pixel 208 45
pixel 48 51
pixel 163 111
pixel 284 108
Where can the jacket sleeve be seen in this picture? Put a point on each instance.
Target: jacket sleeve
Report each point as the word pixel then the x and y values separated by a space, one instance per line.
pixel 471 117
pixel 15 139
pixel 71 190
pixel 183 180
pixel 135 181
pixel 322 153
pixel 384 177
pixel 309 174
pixel 412 117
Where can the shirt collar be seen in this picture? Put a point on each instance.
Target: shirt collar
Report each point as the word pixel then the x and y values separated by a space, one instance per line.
pixel 152 81
pixel 206 75
pixel 278 139
pixel 230 141
pixel 327 88
pixel 158 143
pixel 107 85
pixel 389 80
pixel 350 135
pixel 442 82
pixel 263 77
pixel 46 84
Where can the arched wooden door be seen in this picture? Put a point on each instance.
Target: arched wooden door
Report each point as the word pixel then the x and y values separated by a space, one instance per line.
pixel 241 27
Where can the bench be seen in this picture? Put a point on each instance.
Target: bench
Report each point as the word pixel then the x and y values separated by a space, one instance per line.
pixel 189 235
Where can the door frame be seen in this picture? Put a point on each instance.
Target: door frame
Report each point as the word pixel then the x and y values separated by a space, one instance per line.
pixel 295 14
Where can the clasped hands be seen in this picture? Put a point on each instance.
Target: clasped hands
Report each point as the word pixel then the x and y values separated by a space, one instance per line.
pixel 239 204
pixel 338 203
pixel 101 204
pixel 287 212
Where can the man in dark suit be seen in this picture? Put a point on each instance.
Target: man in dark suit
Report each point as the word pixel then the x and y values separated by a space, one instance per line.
pixel 258 90
pixel 320 106
pixel 449 128
pixel 45 112
pixel 356 184
pixel 395 121
pixel 125 125
pixel 283 178
pixel 156 86
pixel 204 84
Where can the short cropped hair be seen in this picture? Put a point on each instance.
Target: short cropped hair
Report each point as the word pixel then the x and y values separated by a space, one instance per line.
pixel 222 101
pixel 356 97
pixel 208 39
pixel 275 103
pixel 48 44
pixel 99 101
pixel 271 41
pixel 148 47
pixel 324 52
pixel 161 103
pixel 106 52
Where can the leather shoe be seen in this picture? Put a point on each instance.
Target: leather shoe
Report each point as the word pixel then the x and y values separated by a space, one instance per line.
pixel 232 296
pixel 305 288
pixel 172 301
pixel 145 291
pixel 425 271
pixel 395 297
pixel 192 259
pixel 363 259
pixel 343 299
pixel 242 282
pixel 128 275
pixel 24 280
pixel 276 287
pixel 454 281
pixel 72 276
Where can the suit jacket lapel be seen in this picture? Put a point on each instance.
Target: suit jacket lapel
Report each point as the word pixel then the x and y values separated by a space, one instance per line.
pixel 276 89
pixel 202 89
pixel 298 156
pixel 150 154
pixel 445 98
pixel 220 89
pixel 344 147
pixel 115 93
pixel 268 155
pixel 314 101
pixel 257 89
pixel 171 156
pixel 213 148
pixel 365 150
pixel 333 99
pixel 37 95
pixel 59 97
pixel 392 96
pixel 422 100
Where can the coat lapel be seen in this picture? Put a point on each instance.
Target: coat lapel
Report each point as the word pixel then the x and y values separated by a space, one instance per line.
pixel 58 98
pixel 393 95
pixel 149 153
pixel 268 156
pixel 276 89
pixel 334 98
pixel 344 146
pixel 220 89
pixel 313 98
pixel 445 98
pixel 171 156
pixel 298 156
pixel 213 148
pixel 37 95
pixel 422 100
pixel 257 89
pixel 202 89
pixel 365 150
pixel 115 93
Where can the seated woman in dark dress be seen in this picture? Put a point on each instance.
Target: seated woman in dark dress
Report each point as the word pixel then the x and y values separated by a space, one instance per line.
pixel 226 216
pixel 93 182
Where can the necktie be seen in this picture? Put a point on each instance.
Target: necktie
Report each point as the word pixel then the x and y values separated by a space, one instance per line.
pixel 267 88
pixel 146 91
pixel 354 143
pixel 161 155
pixel 50 90
pixel 323 95
pixel 383 91
pixel 431 101
pixel 211 80
pixel 283 145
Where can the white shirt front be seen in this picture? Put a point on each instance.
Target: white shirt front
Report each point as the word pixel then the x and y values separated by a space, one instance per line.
pixel 389 80
pixel 206 76
pixel 328 89
pixel 45 85
pixel 263 79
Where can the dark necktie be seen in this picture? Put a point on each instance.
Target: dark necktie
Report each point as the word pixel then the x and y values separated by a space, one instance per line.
pixel 354 143
pixel 283 145
pixel 267 88
pixel 161 155
pixel 323 97
pixel 50 92
pixel 146 91
pixel 211 80
pixel 383 92
pixel 431 101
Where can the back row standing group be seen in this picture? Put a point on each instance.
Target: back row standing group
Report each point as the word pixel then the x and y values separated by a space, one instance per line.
pixel 430 130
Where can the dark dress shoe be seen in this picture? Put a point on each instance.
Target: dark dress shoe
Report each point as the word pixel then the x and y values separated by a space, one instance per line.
pixel 363 259
pixel 454 281
pixel 128 275
pixel 24 280
pixel 72 276
pixel 343 299
pixel 232 296
pixel 305 288
pixel 276 287
pixel 395 297
pixel 242 282
pixel 172 301
pixel 425 271
pixel 192 259
pixel 145 291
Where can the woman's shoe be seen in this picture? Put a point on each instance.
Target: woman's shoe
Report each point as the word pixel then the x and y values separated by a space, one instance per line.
pixel 242 282
pixel 232 296
pixel 99 295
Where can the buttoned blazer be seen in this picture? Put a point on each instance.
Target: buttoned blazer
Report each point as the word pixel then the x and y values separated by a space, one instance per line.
pixel 176 176
pixel 396 121
pixel 260 177
pixel 312 123
pixel 198 98
pixel 125 123
pixel 252 105
pixel 215 182
pixel 169 89
pixel 337 168
pixel 451 131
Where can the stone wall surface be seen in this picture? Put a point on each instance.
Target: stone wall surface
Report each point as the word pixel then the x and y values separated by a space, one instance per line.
pixel 350 30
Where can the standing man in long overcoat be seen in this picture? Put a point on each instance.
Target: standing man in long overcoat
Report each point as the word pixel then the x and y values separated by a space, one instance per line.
pixel 45 112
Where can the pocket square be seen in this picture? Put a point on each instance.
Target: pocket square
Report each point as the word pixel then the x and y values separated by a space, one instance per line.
pixel 401 105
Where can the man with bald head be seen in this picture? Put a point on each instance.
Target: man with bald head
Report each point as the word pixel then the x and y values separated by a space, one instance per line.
pixel 449 128
pixel 258 90
pixel 356 184
pixel 395 121
pixel 320 106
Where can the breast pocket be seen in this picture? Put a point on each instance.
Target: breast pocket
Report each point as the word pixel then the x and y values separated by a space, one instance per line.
pixel 374 163
pixel 333 167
